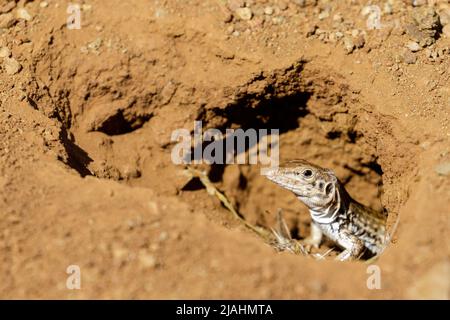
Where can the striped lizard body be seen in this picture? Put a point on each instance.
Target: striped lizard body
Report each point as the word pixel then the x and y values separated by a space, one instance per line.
pixel 351 225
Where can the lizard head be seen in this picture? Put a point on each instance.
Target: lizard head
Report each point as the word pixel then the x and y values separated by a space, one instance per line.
pixel 313 185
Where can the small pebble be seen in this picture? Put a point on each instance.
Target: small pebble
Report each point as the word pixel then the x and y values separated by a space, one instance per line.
pixel 244 13
pixel 5 52
pixel 366 10
pixel 11 66
pixel 163 236
pixel 349 46
pixel 338 18
pixel 387 8
pixel 22 13
pixel 277 20
pixel 43 4
pixel 444 16
pixel 446 31
pixel 95 45
pixel 268 11
pixel 147 260
pixel 413 46
pixel 324 14
pixel 443 169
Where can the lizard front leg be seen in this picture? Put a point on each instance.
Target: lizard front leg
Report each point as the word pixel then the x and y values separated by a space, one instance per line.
pixel 315 237
pixel 353 247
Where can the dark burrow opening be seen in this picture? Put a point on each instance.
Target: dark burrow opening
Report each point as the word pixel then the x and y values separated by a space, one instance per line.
pixel 334 141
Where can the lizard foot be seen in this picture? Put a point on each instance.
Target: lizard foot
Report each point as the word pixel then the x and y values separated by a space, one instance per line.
pixel 314 239
pixel 310 242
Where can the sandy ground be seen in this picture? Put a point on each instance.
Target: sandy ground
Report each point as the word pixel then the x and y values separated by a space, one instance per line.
pixel 86 177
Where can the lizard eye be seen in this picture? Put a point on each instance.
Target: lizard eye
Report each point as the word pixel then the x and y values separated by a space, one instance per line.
pixel 307 173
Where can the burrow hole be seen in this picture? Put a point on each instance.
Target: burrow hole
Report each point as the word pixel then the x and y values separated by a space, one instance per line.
pixel 318 119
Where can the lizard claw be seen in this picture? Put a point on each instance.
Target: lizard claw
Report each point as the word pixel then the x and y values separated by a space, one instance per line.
pixel 310 243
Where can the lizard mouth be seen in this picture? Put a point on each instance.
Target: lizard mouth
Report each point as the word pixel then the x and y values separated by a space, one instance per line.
pixel 285 182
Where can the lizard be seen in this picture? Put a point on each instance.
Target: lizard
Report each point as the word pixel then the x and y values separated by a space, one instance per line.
pixel 335 214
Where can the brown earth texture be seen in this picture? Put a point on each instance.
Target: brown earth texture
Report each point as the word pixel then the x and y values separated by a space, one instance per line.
pixel 91 92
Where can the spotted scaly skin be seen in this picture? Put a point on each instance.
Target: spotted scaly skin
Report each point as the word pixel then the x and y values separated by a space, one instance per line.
pixel 351 225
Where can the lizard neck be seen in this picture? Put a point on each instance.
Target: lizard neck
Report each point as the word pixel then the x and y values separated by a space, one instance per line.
pixel 337 207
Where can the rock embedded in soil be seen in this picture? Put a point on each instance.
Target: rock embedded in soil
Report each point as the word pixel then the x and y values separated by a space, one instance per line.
pixel 7 20
pixel 413 46
pixel 23 14
pixel 268 11
pixel 443 169
pixel 244 13
pixel 338 18
pixel 444 16
pixel 423 26
pixel 5 52
pixel 388 8
pixel 277 20
pixel 418 3
pixel 349 45
pixel 11 66
pixel 446 31
pixel 147 260
pixel 324 14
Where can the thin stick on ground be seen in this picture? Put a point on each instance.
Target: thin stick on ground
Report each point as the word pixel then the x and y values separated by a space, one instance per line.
pixel 212 190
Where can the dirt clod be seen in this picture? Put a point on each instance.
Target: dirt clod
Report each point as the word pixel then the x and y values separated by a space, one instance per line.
pixel 11 66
